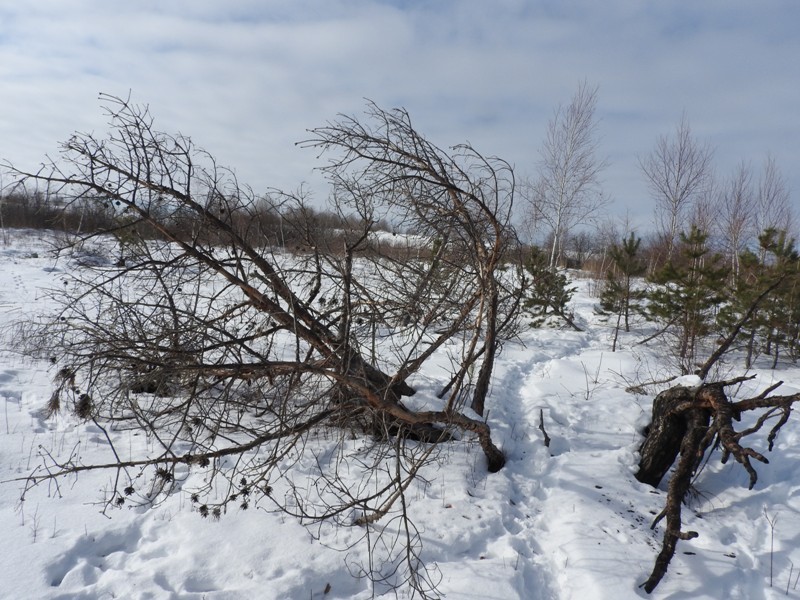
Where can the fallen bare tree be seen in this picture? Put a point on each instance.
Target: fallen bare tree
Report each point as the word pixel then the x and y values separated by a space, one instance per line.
pixel 689 423
pixel 231 353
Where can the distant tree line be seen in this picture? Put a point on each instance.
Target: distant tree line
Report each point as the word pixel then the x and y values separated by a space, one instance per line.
pixel 299 227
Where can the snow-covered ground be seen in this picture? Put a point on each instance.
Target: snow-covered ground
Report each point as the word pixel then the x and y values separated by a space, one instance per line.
pixel 564 522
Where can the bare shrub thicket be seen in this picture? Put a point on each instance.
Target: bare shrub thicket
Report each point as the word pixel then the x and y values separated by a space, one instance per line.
pixel 40 210
pixel 232 354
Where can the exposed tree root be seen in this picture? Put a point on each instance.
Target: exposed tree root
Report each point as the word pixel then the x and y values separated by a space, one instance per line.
pixel 687 422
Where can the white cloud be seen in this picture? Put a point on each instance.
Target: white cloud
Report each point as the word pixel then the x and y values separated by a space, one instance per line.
pixel 245 78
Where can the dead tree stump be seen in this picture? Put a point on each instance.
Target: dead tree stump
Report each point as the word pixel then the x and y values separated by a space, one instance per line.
pixel 664 435
pixel 686 422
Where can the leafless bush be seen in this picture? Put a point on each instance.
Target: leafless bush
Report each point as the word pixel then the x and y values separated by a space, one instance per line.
pixel 233 354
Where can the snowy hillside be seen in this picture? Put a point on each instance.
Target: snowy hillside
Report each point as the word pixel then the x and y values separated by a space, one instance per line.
pixel 568 522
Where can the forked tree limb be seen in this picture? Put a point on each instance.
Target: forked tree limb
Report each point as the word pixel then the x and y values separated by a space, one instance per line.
pixel 722 426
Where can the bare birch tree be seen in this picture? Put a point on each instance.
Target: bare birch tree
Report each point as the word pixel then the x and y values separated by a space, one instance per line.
pixel 678 171
pixel 567 191
pixel 736 214
pixel 704 213
pixel 772 207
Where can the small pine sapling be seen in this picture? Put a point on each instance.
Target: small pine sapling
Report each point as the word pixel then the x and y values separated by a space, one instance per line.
pixel 685 297
pixel 620 297
pixel 548 292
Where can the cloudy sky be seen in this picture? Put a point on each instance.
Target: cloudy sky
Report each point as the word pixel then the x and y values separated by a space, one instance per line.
pixel 246 78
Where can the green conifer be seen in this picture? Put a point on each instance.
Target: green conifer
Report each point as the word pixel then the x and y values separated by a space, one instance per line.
pixel 686 295
pixel 619 296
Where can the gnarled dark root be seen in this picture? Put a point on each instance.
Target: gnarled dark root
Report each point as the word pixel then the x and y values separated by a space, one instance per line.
pixel 686 422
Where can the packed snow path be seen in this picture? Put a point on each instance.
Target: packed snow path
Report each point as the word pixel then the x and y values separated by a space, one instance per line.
pixel 567 522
